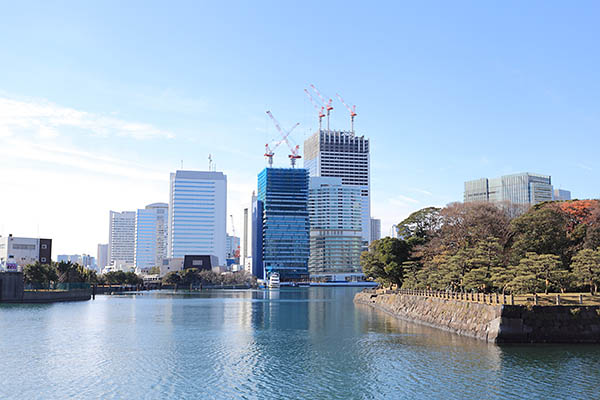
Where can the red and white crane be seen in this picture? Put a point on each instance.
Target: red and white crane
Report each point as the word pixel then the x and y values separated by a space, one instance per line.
pixel 294 150
pixel 316 106
pixel 326 104
pixel 351 110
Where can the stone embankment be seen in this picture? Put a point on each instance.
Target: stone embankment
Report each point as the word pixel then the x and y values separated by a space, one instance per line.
pixel 495 323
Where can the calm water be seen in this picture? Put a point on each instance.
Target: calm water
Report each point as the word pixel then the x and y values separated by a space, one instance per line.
pixel 297 343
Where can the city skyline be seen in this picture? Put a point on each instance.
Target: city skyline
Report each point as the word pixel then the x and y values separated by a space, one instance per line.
pixel 447 101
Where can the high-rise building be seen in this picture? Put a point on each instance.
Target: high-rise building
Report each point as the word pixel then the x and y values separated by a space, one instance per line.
pixel 561 195
pixel 121 237
pixel 232 245
pixel 17 252
pixel 335 230
pixel 247 235
pixel 102 256
pixel 523 188
pixel 343 155
pixel 197 214
pixel 375 229
pixel 151 225
pixel 281 224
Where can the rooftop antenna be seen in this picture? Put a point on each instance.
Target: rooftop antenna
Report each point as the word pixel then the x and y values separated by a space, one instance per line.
pixel 181 164
pixel 210 162
pixel 319 110
pixel 351 110
pixel 284 138
pixel 327 104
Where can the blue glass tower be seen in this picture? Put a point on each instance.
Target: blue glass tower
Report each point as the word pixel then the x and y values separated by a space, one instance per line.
pixel 281 223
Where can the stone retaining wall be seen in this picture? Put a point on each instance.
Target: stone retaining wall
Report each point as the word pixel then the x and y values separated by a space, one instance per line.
pixel 50 296
pixel 499 323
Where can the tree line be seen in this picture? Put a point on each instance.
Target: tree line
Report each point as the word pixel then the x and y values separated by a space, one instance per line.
pixel 195 277
pixel 68 272
pixel 550 247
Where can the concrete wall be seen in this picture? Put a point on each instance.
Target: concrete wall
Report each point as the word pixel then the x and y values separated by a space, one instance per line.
pixel 50 297
pixel 11 286
pixel 493 323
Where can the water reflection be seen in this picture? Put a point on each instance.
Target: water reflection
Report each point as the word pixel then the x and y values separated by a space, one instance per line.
pixel 250 344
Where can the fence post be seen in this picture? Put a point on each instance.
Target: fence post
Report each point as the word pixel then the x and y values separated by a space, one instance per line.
pixel 535 299
pixel 512 300
pixel 580 299
pixel 558 299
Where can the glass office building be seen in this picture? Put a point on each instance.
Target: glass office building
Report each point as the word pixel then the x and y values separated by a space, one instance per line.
pixel 197 214
pixel 524 188
pixel 335 231
pixel 281 224
pixel 151 235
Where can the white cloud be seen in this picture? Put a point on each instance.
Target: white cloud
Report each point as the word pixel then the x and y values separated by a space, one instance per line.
pixel 46 119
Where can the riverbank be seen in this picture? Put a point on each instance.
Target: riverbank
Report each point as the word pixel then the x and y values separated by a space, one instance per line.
pixel 494 323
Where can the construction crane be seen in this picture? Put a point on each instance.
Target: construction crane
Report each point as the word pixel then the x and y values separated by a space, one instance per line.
pixel 294 150
pixel 316 106
pixel 236 252
pixel 326 104
pixel 351 110
pixel 269 152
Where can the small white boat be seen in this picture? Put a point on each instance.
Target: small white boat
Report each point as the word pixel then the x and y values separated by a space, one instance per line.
pixel 273 282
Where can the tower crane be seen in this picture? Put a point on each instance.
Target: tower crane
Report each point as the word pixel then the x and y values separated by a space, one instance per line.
pixel 327 104
pixel 294 150
pixel 316 106
pixel 269 152
pixel 352 111
pixel 236 252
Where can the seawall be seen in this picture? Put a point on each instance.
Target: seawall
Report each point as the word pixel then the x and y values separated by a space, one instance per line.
pixel 495 323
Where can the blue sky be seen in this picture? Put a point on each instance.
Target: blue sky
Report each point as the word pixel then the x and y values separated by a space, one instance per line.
pixel 99 101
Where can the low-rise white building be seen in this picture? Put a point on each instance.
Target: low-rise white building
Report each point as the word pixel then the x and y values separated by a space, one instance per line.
pixel 17 252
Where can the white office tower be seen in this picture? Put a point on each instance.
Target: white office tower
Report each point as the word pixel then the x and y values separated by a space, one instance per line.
pixel 335 230
pixel 151 226
pixel 197 214
pixel 121 237
pixel 247 235
pixel 102 256
pixel 375 229
pixel 343 155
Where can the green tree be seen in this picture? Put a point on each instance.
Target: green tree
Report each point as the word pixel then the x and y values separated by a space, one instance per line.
pixel 542 230
pixel 154 271
pixel 545 269
pixel 172 278
pixel 384 260
pixel 41 274
pixel 420 226
pixel 586 268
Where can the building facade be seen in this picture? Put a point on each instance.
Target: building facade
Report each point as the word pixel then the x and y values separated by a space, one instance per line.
pixel 524 188
pixel 151 224
pixel 562 195
pixel 197 214
pixel 335 230
pixel 343 155
pixel 102 256
pixel 232 247
pixel 17 252
pixel 121 237
pixel 281 224
pixel 375 229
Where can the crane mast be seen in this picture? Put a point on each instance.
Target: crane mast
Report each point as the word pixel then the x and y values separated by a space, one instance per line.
pixel 326 104
pixel 351 110
pixel 294 150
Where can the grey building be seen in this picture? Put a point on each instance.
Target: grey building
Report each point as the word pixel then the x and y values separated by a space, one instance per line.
pixel 524 188
pixel 121 237
pixel 102 256
pixel 342 154
pixel 375 229
pixel 562 195
pixel 17 252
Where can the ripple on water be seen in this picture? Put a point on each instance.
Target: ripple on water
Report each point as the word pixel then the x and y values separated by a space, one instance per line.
pixel 311 344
